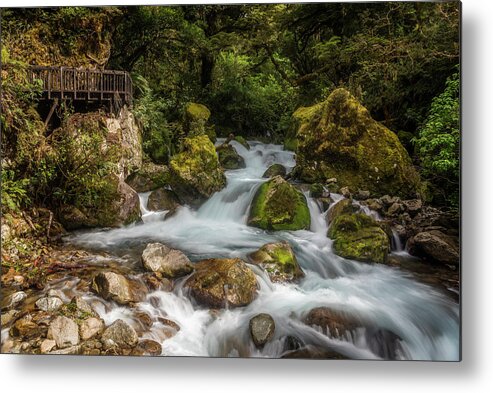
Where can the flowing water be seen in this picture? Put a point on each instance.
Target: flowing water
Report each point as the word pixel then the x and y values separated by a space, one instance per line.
pixel 387 298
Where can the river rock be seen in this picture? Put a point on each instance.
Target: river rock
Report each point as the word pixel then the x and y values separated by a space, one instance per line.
pixel 26 329
pixel 171 263
pixel 317 190
pixel 262 328
pixel 279 261
pixel 359 237
pixel 113 286
pixel 275 170
pixel 49 303
pixel 436 246
pixel 162 199
pixel 195 173
pixel 242 141
pixel 413 206
pixel 345 192
pixel 229 157
pixel 338 138
pixel 16 298
pixel 148 178
pixel 47 345
pixel 344 206
pixel 121 335
pixel 8 317
pixel 362 195
pixel 64 331
pixel 82 306
pixel 147 348
pixel 335 323
pixel 90 328
pixel 219 283
pixel 278 205
pixel 313 352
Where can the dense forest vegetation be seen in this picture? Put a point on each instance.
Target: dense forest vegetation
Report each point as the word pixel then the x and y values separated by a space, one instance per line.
pixel 252 66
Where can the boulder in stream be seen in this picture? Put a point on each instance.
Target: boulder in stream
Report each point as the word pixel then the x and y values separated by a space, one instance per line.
pixel 275 170
pixel 195 173
pixel 339 138
pixel 219 283
pixel 278 205
pixel 162 199
pixel 64 331
pixel 229 157
pixel 436 246
pixel 121 335
pixel 148 178
pixel 359 237
pixel 279 261
pixel 113 286
pixel 49 303
pixel 171 263
pixel 262 328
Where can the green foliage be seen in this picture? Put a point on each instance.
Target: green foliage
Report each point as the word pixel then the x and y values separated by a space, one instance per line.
pixel 249 103
pixel 14 191
pixel 152 112
pixel 438 144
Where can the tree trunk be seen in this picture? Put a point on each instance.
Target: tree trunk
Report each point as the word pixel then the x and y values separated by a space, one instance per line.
pixel 207 67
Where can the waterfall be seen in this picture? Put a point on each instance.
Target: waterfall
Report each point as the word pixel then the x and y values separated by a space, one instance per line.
pixel 425 320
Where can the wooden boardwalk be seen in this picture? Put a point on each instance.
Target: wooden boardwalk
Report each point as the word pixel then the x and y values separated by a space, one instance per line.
pixel 65 83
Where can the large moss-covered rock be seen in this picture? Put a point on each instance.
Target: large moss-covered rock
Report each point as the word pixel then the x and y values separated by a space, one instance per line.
pixel 339 139
pixel 275 170
pixel 195 173
pixel 279 261
pixel 344 206
pixel 221 283
pixel 196 116
pixel 229 157
pixel 359 237
pixel 278 205
pixel 149 177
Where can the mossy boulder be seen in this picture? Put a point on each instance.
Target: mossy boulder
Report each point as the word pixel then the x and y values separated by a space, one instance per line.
pixel 195 119
pixel 338 138
pixel 195 173
pixel 162 199
pixel 242 141
pixel 219 283
pixel 278 205
pixel 275 170
pixel 344 206
pixel 148 178
pixel 229 157
pixel 359 237
pixel 279 261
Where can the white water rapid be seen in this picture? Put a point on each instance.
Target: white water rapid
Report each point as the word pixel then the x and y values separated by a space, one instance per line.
pixel 426 320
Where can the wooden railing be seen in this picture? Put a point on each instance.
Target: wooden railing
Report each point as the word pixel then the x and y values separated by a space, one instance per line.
pixel 84 84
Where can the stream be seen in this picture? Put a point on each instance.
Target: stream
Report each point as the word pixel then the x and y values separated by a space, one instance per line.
pixel 426 321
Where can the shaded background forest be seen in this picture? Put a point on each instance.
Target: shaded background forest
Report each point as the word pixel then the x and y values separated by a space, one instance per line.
pixel 253 65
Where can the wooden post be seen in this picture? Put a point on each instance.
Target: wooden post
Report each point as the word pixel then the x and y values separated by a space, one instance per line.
pixel 61 82
pixel 52 109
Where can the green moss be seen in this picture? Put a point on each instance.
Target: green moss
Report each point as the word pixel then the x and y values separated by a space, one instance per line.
pixel 279 260
pixel 242 141
pixel 290 144
pixel 338 138
pixel 195 173
pixel 277 205
pixel 316 190
pixel 359 237
pixel 196 116
pixel 229 157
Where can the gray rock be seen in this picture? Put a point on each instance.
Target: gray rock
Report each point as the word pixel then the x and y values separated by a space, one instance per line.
pixel 171 263
pixel 49 304
pixel 121 335
pixel 47 345
pixel 345 192
pixel 436 246
pixel 90 328
pixel 395 209
pixel 162 199
pixel 262 328
pixel 362 195
pixel 113 286
pixel 64 331
pixel 17 298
